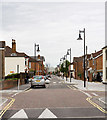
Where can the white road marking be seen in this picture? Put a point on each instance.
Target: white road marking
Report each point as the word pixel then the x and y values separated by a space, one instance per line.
pixel 9 91
pixel 94 94
pixel 20 114
pixel 54 82
pixel 59 82
pixel 86 93
pixel 14 94
pixel 47 114
pixel 102 101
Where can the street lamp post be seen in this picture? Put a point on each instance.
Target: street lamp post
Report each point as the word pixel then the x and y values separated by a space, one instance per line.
pixel 35 55
pixel 84 52
pixel 65 58
pixel 69 50
pixel 61 63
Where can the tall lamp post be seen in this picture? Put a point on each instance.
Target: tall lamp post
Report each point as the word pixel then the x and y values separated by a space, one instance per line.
pixel 35 55
pixel 65 58
pixel 63 63
pixel 84 52
pixel 69 53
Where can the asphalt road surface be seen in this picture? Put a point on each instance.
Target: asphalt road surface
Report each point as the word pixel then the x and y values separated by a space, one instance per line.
pixel 57 101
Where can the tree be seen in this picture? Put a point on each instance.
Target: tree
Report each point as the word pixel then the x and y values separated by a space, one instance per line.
pixel 66 68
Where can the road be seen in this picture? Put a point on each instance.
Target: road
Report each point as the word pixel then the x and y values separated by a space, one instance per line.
pixel 57 100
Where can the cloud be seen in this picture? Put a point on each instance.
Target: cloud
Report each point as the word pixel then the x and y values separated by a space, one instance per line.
pixel 54 26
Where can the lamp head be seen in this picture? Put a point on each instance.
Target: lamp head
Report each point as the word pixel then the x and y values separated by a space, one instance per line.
pixel 38 49
pixel 79 37
pixel 67 53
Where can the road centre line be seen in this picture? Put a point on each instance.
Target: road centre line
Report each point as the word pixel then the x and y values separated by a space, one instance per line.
pixel 7 107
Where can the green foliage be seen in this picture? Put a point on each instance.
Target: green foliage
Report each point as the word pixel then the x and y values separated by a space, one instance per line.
pixel 53 73
pixel 66 68
pixel 11 79
pixel 12 76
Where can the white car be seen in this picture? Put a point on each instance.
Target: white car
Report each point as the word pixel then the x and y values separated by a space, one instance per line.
pixel 38 80
pixel 47 81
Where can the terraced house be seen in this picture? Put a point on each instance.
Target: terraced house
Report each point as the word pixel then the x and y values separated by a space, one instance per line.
pixel 93 65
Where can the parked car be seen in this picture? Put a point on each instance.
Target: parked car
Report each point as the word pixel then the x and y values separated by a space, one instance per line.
pixel 38 81
pixel 29 80
pixel 48 77
pixel 47 81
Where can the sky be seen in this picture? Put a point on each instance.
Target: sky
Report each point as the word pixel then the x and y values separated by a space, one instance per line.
pixel 54 26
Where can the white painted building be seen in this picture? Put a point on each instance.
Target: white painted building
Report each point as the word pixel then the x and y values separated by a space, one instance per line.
pixel 105 64
pixel 14 65
pixel 15 62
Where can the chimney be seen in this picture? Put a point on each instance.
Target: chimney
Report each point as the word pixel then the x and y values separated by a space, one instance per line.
pixel 95 51
pixel 39 57
pixel 13 46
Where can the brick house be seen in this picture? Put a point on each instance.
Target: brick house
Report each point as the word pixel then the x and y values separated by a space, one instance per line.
pixel 94 65
pixel 36 64
pixel 78 68
pixel 104 64
pixel 15 62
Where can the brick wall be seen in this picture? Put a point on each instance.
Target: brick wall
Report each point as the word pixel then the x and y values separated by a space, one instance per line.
pixel 2 61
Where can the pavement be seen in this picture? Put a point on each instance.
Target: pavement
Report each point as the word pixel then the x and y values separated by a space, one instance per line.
pixel 90 86
pixel 4 94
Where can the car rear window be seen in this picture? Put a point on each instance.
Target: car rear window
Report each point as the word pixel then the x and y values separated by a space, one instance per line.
pixel 38 77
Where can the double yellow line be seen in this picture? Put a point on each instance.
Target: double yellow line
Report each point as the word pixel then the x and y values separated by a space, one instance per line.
pixel 7 107
pixel 71 87
pixel 95 105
